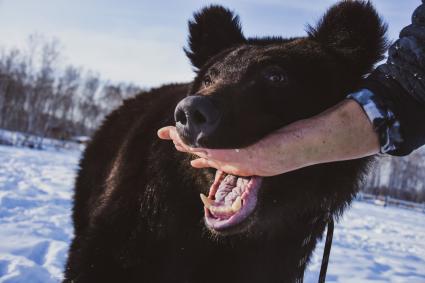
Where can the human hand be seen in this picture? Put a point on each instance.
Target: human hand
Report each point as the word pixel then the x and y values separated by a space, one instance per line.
pixel 264 158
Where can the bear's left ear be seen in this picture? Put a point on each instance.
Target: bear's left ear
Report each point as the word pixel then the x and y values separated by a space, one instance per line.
pixel 212 30
pixel 354 32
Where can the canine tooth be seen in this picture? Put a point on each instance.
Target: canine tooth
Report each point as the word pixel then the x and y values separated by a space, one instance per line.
pixel 237 204
pixel 207 202
pixel 220 209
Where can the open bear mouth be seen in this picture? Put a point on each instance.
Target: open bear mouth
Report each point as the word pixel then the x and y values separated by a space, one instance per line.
pixel 230 201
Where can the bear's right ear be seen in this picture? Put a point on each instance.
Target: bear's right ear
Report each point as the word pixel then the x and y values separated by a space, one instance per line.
pixel 212 30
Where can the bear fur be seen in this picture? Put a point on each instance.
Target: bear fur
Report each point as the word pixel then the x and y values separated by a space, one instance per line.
pixel 137 213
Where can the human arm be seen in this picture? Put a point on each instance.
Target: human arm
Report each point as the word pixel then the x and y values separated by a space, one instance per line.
pixel 340 133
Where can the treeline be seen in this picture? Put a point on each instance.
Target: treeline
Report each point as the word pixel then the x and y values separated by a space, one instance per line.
pixel 408 194
pixel 39 97
pixel 399 177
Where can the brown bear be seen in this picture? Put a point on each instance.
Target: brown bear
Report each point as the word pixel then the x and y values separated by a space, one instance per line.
pixel 137 213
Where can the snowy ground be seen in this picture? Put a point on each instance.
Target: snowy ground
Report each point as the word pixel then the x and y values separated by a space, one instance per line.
pixel 371 243
pixel 35 227
pixel 375 244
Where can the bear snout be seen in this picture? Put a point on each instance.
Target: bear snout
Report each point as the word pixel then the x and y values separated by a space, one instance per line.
pixel 196 119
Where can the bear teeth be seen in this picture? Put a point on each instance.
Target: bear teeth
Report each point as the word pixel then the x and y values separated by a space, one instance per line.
pixel 237 204
pixel 207 202
pixel 222 210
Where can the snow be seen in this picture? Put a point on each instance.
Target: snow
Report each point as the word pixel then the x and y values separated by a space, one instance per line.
pixel 35 204
pixel 375 244
pixel 20 139
pixel 371 243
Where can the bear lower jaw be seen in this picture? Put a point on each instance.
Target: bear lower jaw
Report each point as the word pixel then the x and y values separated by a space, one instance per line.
pixel 231 200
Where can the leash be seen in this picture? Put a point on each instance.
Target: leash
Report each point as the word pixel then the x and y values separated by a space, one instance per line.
pixel 326 251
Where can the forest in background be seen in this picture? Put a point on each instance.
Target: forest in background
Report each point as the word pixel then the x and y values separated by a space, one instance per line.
pixel 40 96
pixel 398 177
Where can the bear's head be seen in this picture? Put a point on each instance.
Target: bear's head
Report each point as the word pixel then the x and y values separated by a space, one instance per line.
pixel 246 88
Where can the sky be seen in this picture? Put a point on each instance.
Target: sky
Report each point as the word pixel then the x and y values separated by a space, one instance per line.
pixel 142 41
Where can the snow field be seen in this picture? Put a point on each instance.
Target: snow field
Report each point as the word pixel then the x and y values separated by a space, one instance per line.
pixel 371 243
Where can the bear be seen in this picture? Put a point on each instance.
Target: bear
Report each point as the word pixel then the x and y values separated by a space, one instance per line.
pixel 137 213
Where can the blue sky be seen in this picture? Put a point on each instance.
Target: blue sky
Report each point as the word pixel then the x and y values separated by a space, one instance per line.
pixel 141 41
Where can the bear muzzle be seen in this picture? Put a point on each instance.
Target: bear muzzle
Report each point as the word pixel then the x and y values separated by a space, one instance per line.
pixel 196 117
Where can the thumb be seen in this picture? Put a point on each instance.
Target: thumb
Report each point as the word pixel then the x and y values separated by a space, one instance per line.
pixel 164 133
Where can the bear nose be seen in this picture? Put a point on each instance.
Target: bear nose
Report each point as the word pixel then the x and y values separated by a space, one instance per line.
pixel 196 118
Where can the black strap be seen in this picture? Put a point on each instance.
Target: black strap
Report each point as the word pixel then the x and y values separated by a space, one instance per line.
pixel 327 251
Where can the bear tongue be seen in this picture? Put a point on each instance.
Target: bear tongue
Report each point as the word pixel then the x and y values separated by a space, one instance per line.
pixel 229 189
pixel 226 186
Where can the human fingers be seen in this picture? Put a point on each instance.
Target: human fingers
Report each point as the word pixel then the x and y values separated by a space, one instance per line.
pixel 203 163
pixel 170 133
pixel 226 155
pixel 164 133
pixel 230 169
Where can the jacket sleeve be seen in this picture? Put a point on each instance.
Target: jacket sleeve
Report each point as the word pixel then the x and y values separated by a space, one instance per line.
pixel 398 86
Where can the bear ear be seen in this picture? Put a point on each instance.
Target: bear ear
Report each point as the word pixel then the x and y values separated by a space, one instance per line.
pixel 353 31
pixel 212 30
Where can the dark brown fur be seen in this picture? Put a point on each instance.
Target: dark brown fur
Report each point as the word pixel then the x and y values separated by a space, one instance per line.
pixel 137 213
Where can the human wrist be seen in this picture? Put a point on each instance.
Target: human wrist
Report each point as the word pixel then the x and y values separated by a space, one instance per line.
pixel 346 132
pixel 380 114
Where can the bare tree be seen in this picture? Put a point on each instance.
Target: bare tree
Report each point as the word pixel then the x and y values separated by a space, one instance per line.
pixel 40 98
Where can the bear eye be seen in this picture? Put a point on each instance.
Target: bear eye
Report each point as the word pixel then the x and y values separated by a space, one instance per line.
pixel 276 78
pixel 275 75
pixel 207 81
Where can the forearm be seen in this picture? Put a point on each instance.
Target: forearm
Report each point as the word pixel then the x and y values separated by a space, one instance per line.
pixel 342 132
